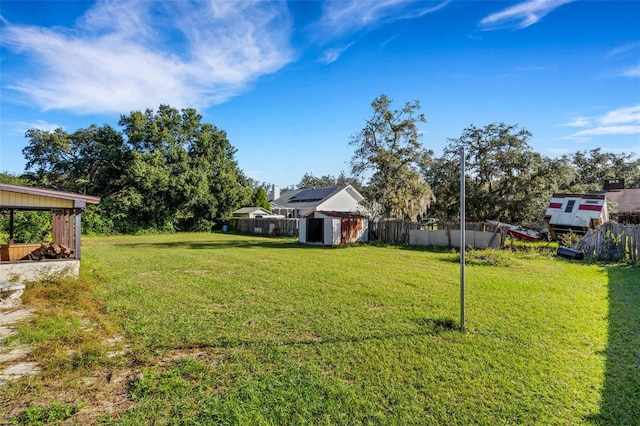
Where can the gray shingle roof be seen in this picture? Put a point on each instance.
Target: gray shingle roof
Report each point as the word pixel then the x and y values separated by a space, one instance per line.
pixel 628 200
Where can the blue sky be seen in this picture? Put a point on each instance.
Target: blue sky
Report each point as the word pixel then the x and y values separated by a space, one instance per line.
pixel 290 82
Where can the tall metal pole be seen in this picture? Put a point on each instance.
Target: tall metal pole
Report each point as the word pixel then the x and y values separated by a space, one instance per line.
pixel 463 243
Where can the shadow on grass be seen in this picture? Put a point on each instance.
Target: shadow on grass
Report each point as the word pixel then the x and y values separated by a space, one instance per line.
pixel 263 241
pixel 266 242
pixel 439 325
pixel 432 327
pixel 620 404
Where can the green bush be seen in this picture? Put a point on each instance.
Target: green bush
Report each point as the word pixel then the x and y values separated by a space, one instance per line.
pixel 569 239
pixel 29 227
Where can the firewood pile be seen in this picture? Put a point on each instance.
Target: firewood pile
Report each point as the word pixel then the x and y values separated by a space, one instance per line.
pixel 50 251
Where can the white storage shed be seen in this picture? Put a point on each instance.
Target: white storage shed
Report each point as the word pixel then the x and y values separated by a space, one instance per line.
pixel 333 228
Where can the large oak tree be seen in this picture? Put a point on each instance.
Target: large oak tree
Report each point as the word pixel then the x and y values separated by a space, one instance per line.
pixel 505 179
pixel 389 153
pixel 165 170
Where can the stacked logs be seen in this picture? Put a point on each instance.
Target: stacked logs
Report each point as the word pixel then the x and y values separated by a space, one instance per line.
pixel 50 251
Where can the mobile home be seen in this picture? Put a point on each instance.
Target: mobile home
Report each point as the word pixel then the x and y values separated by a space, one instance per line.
pixel 575 213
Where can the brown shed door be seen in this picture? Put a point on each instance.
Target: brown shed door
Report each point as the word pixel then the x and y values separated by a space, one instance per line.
pixel 349 230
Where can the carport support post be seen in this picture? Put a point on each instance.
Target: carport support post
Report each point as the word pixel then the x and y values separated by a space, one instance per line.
pixel 10 226
pixel 463 242
pixel 78 229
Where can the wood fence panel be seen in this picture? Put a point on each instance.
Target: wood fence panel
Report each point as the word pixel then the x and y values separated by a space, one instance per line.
pixel 270 226
pixel 612 241
pixel 391 231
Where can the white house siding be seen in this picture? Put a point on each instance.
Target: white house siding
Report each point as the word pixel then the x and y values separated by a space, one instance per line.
pixel 343 201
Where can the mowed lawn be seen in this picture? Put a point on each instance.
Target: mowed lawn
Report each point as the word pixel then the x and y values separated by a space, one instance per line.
pixel 230 329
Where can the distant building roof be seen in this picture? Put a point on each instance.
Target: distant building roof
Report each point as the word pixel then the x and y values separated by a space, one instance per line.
pixel 252 210
pixel 244 210
pixel 627 200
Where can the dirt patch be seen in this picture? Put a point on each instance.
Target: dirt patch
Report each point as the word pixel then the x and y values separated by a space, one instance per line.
pixel 105 394
pixel 218 307
pixel 310 337
pixel 197 271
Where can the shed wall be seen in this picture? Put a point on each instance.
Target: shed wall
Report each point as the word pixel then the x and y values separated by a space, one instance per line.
pixel 303 230
pixel 332 231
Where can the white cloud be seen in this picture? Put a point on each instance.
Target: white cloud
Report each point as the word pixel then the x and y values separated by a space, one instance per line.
pixel 23 126
pixel 134 55
pixel 332 55
pixel 629 115
pixel 579 122
pixel 340 16
pixel 624 49
pixel 621 121
pixel 608 130
pixel 521 15
pixel 633 72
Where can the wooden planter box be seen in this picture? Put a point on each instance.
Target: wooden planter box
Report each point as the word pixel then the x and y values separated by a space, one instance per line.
pixel 11 252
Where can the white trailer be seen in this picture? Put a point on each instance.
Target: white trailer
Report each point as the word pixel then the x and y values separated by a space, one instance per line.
pixel 575 213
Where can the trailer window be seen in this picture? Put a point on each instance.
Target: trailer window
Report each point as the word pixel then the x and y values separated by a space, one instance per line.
pixel 570 205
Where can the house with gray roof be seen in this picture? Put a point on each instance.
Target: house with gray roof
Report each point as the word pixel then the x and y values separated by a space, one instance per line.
pixel 254 213
pixel 625 203
pixel 300 202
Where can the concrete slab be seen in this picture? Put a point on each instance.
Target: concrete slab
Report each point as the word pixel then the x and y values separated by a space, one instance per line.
pixel 14 316
pixel 21 369
pixel 5 332
pixel 17 353
pixel 26 271
pixel 18 371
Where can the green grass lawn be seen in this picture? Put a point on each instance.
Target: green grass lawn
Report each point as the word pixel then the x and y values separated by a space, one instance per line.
pixel 229 329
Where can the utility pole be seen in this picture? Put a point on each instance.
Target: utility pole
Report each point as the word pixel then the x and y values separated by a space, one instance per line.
pixel 463 242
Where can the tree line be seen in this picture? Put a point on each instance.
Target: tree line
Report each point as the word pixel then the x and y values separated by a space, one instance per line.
pixel 505 179
pixel 166 170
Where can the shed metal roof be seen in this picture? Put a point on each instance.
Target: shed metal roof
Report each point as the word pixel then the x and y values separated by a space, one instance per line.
pixel 338 215
pixel 34 198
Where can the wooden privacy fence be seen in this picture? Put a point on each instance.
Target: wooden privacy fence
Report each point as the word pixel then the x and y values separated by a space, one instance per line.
pixel 391 231
pixel 612 241
pixel 270 226
pixel 397 231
